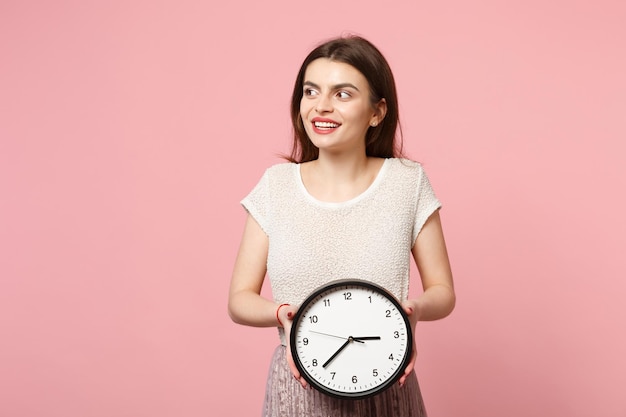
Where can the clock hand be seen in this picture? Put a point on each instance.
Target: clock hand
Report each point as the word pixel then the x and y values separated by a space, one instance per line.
pixel 338 337
pixel 350 339
pixel 360 339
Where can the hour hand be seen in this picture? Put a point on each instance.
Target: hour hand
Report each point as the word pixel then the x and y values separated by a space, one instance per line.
pixel 360 339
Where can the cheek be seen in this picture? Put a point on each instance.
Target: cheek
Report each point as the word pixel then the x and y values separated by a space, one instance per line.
pixel 358 117
pixel 305 108
pixel 303 120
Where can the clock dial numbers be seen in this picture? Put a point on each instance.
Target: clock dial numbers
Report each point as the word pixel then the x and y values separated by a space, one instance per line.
pixel 349 340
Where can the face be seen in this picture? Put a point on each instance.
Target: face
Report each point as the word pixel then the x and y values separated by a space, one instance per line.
pixel 335 108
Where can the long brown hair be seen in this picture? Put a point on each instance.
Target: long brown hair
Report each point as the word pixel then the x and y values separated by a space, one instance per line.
pixel 380 141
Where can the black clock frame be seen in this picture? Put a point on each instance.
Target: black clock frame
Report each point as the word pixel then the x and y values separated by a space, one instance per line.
pixel 362 394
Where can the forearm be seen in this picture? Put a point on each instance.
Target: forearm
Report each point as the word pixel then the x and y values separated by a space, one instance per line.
pixel 251 309
pixel 435 303
pixel 431 257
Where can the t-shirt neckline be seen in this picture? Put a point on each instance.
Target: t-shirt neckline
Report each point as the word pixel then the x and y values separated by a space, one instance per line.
pixel 354 200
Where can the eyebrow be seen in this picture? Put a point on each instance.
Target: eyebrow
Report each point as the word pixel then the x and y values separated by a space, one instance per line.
pixel 334 87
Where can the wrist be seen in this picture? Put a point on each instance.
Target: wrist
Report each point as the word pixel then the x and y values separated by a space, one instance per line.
pixel 280 323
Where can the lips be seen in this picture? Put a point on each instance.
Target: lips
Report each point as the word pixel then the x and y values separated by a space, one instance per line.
pixel 324 126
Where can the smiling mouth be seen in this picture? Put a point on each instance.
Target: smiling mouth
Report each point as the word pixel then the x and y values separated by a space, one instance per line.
pixel 326 125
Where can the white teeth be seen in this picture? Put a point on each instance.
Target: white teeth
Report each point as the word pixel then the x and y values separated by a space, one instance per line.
pixel 325 125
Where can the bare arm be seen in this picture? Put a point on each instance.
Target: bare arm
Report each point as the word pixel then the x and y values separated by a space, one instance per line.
pixel 438 299
pixel 431 257
pixel 245 304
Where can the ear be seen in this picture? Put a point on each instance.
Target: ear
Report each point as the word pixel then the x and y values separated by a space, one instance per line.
pixel 380 110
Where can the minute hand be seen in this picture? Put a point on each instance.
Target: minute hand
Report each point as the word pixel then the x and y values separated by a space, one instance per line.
pixel 337 353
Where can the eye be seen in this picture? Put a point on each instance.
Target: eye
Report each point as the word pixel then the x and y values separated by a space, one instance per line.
pixel 343 94
pixel 308 92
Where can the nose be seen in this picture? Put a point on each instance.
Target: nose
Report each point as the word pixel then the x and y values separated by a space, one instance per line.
pixel 324 104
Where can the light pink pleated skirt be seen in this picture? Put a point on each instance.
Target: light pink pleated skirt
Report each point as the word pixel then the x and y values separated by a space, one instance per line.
pixel 285 397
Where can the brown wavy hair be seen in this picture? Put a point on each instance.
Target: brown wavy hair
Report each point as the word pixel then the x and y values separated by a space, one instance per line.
pixel 384 140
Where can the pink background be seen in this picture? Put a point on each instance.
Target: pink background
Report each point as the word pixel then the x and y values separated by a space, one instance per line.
pixel 129 131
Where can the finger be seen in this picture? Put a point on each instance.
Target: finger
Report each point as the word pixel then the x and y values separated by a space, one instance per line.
pixel 297 375
pixel 410 310
pixel 289 314
pixel 409 367
pixel 286 315
pixel 292 365
pixel 405 375
pixel 294 370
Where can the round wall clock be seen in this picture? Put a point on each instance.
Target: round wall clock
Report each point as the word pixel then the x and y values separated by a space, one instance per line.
pixel 351 339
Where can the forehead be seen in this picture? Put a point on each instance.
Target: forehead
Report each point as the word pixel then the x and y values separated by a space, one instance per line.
pixel 325 72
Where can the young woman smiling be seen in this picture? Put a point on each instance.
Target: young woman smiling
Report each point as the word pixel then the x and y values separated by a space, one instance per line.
pixel 346 205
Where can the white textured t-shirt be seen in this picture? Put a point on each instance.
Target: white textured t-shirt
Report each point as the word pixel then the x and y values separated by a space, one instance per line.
pixel 369 237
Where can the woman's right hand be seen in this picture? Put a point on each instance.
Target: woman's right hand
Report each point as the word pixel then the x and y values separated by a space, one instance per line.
pixel 285 316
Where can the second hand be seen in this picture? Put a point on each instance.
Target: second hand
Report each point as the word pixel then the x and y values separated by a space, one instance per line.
pixel 332 335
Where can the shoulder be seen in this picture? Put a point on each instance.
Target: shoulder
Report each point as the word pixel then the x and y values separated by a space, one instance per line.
pixel 280 169
pixel 406 167
pixel 408 173
pixel 274 183
pixel 277 171
pixel 280 176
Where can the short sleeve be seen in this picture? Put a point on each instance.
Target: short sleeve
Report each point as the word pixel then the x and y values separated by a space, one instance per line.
pixel 426 203
pixel 256 203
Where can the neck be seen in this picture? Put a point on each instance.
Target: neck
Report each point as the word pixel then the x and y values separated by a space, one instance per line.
pixel 341 167
pixel 337 178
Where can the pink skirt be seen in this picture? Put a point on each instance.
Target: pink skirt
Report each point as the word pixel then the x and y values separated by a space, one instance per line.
pixel 285 397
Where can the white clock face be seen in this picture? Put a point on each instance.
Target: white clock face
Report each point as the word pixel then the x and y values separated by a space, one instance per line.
pixel 351 339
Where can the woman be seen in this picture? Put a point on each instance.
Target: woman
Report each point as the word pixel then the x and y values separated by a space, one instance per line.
pixel 345 206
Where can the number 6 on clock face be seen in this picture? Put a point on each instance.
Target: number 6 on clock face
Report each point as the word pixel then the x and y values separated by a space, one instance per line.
pixel 351 339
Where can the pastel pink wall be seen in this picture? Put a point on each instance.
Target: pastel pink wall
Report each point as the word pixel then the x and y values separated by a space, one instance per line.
pixel 130 130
